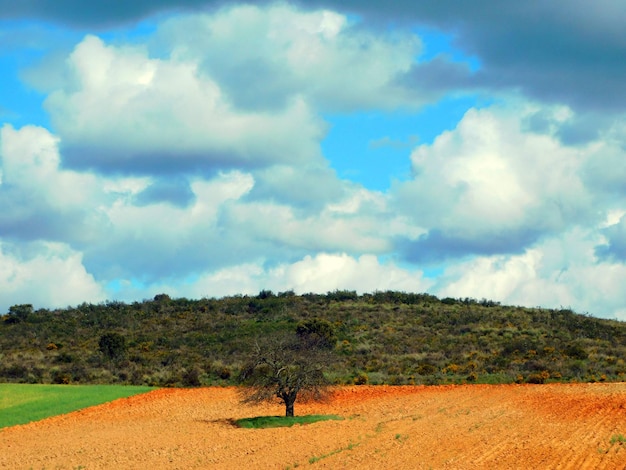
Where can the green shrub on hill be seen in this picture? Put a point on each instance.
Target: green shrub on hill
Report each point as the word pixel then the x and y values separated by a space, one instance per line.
pixel 383 337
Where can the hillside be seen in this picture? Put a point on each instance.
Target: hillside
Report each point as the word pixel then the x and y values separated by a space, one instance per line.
pixel 384 337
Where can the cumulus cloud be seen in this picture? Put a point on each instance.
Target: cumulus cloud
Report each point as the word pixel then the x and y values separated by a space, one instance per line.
pixel 40 200
pixel 126 112
pixel 605 169
pixel 614 246
pixel 559 52
pixel 490 187
pixel 322 272
pixel 208 100
pixel 305 187
pixel 147 229
pixel 317 55
pixel 561 272
pixel 40 274
pixel 191 163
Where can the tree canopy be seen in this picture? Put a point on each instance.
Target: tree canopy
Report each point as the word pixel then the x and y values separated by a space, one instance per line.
pixel 283 368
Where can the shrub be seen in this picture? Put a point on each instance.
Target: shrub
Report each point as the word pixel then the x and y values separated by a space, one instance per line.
pixel 60 377
pixel 576 351
pixel 224 373
pixel 21 312
pixel 538 378
pixel 320 332
pixel 191 378
pixel 426 369
pixel 360 379
pixel 15 371
pixel 112 345
pixel 65 358
pixel 162 298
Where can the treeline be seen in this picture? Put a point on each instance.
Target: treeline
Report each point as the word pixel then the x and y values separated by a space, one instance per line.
pixel 383 337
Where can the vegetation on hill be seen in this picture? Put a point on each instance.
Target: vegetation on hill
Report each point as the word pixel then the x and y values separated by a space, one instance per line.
pixel 384 337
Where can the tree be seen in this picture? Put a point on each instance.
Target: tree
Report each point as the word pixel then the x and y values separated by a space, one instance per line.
pixel 285 368
pixel 18 313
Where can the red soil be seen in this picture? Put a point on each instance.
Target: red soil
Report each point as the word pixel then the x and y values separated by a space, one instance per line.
pixel 454 427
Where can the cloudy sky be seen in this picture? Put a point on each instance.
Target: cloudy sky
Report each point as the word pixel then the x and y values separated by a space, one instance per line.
pixel 207 148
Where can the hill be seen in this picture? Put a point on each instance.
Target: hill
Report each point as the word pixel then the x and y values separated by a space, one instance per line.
pixel 384 337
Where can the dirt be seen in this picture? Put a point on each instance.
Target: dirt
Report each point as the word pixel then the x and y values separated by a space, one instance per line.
pixel 556 426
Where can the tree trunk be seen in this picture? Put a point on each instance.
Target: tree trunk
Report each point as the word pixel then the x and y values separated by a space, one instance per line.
pixel 289 407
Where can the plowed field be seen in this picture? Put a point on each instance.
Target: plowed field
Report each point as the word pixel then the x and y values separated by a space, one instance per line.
pixel 579 426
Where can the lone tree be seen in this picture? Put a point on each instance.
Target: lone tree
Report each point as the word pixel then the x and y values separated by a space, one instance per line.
pixel 285 368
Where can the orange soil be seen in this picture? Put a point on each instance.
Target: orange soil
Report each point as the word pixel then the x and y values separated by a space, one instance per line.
pixel 454 427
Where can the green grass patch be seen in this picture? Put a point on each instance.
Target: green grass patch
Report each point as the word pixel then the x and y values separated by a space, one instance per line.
pixel 317 458
pixel 618 439
pixel 23 403
pixel 261 422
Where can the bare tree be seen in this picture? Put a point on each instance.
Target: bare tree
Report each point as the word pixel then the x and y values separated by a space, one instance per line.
pixel 285 368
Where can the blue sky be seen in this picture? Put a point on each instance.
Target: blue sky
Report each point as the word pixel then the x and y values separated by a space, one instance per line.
pixel 209 148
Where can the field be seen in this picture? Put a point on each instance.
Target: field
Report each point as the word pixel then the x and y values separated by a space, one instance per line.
pixel 564 426
pixel 21 403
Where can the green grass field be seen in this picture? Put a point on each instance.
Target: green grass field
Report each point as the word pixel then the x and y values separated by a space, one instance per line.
pixel 261 422
pixel 23 403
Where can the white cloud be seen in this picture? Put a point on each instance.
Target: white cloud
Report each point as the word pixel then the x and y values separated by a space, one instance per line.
pixel 207 99
pixel 239 94
pixel 320 273
pixel 315 54
pixel 41 200
pixel 560 272
pixel 305 187
pixel 30 162
pixel 125 111
pixel 360 221
pixel 327 272
pixel 49 275
pixel 121 235
pixel 488 177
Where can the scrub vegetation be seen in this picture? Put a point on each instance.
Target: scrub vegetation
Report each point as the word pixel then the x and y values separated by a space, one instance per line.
pixel 378 338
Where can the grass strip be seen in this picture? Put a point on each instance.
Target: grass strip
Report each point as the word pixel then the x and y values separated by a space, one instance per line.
pixel 261 422
pixel 23 403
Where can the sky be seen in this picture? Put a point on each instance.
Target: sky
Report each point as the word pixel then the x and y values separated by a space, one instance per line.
pixel 205 148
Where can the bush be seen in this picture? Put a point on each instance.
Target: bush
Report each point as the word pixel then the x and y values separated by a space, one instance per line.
pixel 60 377
pixel 360 379
pixel 65 358
pixel 112 345
pixel 21 312
pixel 576 351
pixel 320 332
pixel 191 378
pixel 15 372
pixel 224 373
pixel 538 378
pixel 426 369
